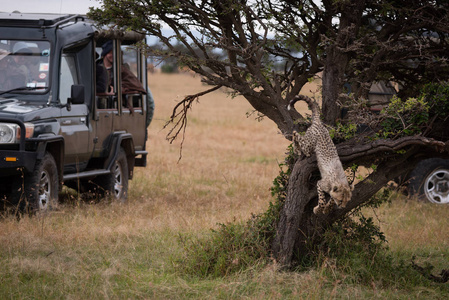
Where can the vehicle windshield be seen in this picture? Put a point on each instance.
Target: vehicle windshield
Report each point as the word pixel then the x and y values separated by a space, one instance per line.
pixel 24 66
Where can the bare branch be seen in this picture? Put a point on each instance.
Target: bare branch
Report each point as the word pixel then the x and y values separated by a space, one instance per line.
pixel 179 116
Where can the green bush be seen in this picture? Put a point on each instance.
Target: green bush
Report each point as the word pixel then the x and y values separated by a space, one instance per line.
pixel 403 118
pixel 229 249
pixel 169 68
pixel 413 115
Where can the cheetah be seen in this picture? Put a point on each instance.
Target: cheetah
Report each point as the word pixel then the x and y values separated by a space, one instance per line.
pixel 333 178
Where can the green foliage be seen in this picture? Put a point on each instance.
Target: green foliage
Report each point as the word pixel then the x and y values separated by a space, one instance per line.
pixel 169 68
pixel 279 188
pixel 358 246
pixel 343 132
pixel 352 173
pixel 437 95
pixel 412 116
pixel 352 250
pixel 229 249
pixel 403 118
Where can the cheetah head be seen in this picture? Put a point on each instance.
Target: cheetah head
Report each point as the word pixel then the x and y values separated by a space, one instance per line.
pixel 341 194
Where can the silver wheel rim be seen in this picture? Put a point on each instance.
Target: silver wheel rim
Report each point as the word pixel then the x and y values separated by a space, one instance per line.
pixel 118 180
pixel 436 187
pixel 44 190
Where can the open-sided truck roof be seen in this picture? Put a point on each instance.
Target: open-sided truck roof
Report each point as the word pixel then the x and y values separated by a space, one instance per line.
pixel 48 21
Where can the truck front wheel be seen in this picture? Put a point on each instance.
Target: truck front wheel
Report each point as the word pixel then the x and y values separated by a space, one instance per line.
pixel 41 186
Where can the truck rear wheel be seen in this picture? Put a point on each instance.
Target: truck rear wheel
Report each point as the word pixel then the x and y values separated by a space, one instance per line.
pixel 115 184
pixel 41 186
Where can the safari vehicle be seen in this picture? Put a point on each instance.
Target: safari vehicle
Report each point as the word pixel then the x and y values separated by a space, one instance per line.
pixel 54 127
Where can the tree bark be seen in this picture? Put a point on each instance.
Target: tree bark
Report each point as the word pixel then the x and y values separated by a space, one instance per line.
pixel 332 84
pixel 338 55
pixel 298 195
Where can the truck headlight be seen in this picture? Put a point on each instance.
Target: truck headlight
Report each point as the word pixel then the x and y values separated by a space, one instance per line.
pixel 10 132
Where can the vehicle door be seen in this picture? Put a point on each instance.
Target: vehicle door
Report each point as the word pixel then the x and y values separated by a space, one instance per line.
pixel 105 109
pixel 74 122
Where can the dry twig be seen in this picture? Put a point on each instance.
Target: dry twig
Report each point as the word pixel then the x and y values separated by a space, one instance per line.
pixel 179 117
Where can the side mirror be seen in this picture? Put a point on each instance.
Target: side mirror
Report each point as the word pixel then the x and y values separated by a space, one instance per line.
pixel 77 94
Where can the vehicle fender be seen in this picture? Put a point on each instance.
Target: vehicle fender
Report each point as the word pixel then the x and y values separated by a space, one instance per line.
pixel 124 140
pixel 54 144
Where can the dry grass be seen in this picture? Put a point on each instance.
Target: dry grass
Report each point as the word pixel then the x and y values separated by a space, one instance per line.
pixel 414 226
pixel 228 160
pixel 228 163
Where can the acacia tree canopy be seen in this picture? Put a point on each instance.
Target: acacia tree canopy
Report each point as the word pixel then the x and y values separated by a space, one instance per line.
pixel 268 50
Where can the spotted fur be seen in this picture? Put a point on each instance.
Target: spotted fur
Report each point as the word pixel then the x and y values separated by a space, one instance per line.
pixel 317 140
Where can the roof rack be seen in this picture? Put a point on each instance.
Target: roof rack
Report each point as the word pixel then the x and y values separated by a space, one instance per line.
pixel 36 20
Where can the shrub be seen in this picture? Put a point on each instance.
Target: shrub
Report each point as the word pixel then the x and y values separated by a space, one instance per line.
pixel 169 68
pixel 229 249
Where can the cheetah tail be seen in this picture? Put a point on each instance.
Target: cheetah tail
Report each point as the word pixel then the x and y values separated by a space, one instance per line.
pixel 297 98
pixel 311 103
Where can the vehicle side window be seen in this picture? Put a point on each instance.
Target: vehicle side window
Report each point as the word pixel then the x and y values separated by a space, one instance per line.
pixel 130 58
pixel 130 61
pixel 68 77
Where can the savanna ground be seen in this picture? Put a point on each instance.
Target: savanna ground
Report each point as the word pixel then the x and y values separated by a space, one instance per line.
pixel 105 250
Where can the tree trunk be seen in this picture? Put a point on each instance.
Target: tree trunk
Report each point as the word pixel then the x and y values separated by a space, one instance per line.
pixel 298 196
pixel 338 55
pixel 332 84
pixel 298 228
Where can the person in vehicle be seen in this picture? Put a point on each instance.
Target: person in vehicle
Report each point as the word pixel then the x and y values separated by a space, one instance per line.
pixel 11 76
pixel 130 83
pixel 21 62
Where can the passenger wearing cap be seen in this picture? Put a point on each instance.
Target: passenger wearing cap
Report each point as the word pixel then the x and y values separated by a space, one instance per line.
pixel 14 72
pixel 21 61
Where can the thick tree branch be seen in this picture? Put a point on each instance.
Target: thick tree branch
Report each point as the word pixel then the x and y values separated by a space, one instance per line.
pixel 351 151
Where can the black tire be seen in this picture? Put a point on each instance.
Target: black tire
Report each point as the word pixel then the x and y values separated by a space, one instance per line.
pixel 430 181
pixel 41 186
pixel 115 184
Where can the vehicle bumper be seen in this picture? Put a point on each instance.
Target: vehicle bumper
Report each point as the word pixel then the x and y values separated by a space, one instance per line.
pixel 11 160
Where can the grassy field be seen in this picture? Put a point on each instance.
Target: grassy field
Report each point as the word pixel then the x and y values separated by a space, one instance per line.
pixel 110 251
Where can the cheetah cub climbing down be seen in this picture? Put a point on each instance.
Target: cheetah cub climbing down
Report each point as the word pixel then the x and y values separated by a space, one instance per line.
pixel 333 178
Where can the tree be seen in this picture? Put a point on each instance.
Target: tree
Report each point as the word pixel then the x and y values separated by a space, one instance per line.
pixel 237 43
